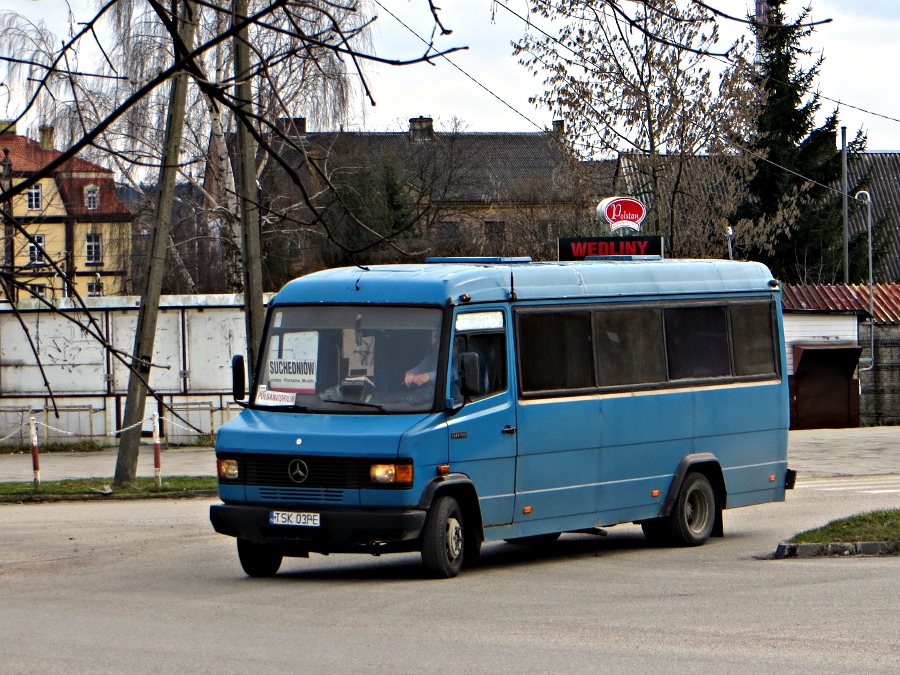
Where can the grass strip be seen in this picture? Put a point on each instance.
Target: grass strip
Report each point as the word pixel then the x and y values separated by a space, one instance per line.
pixel 873 526
pixel 103 486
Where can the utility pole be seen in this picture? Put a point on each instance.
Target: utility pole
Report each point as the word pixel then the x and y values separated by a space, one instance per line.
pixel 247 188
pixel 145 334
pixel 846 212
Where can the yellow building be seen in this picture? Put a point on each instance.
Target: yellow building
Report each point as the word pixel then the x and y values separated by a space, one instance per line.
pixel 80 231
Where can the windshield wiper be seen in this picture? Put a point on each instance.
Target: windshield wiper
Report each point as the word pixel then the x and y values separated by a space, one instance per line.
pixel 362 403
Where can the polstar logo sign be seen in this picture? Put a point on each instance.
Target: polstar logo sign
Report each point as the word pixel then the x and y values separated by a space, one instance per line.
pixel 622 212
pixel 298 471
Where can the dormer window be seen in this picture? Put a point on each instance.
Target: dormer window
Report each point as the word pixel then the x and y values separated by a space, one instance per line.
pixel 91 197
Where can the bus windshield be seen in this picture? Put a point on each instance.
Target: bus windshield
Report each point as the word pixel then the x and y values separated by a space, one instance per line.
pixel 350 359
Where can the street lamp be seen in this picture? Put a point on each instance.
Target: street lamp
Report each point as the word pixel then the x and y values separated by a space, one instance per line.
pixel 868 200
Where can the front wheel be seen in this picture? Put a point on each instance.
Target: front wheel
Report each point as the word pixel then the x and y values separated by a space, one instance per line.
pixel 258 560
pixel 443 538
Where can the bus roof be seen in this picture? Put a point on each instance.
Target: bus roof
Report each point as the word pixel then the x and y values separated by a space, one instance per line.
pixel 444 283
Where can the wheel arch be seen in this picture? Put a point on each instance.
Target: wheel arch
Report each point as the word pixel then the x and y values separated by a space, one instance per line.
pixel 705 463
pixel 462 489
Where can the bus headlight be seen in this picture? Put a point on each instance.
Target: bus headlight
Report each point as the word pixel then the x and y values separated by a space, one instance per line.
pixel 391 473
pixel 227 468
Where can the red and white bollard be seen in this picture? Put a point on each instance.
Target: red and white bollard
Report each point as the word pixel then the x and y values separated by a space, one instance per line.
pixel 157 460
pixel 35 459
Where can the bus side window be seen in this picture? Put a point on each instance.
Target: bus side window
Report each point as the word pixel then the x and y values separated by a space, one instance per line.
pixel 753 339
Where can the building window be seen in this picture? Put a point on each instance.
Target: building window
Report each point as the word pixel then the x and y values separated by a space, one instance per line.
pixel 94 248
pixel 495 232
pixel 38 290
pixel 35 257
pixel 34 195
pixel 95 289
pixel 91 197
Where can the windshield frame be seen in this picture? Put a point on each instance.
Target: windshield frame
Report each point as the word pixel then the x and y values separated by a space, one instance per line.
pixel 438 402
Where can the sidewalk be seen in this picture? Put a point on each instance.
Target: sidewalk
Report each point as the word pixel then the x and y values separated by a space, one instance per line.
pixel 815 453
pixel 64 465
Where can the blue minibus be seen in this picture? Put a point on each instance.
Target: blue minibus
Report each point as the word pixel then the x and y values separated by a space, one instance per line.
pixel 434 407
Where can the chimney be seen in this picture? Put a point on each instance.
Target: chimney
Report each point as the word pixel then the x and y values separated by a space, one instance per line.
pixel 421 129
pixel 7 128
pixel 292 127
pixel 559 128
pixel 46 133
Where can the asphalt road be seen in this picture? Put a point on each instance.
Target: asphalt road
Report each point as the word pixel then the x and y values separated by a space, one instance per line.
pixel 147 587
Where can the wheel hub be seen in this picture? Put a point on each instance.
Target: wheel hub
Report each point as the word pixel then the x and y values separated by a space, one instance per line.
pixel 454 538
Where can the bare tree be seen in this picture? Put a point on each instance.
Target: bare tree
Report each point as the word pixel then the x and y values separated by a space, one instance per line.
pixel 122 121
pixel 650 95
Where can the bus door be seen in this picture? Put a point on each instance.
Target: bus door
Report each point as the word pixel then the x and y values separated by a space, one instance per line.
pixel 559 467
pixel 483 431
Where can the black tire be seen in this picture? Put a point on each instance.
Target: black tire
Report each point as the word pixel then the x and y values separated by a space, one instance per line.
pixel 258 560
pixel 535 540
pixel 443 538
pixel 694 514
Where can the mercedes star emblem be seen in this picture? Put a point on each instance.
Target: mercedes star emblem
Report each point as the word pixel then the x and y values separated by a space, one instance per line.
pixel 298 471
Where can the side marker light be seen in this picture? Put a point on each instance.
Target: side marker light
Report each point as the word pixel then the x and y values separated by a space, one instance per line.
pixel 655 493
pixel 526 509
pixel 443 469
pixel 771 479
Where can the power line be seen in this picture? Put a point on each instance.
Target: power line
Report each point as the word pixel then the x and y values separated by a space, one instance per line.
pixel 723 139
pixel 520 114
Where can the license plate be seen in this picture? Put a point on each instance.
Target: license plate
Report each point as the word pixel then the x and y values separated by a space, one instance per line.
pixel 292 518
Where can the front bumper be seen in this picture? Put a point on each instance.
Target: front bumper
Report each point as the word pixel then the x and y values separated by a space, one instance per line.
pixel 340 531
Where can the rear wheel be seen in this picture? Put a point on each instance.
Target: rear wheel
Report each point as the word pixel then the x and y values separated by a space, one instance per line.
pixel 443 538
pixel 693 515
pixel 258 560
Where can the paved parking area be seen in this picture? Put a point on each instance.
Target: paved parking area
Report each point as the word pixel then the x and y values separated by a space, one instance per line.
pixel 815 453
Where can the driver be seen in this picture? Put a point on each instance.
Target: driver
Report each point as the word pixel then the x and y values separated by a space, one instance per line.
pixel 426 369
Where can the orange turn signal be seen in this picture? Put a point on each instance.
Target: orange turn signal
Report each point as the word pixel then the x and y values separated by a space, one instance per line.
pixel 526 509
pixel 443 469
pixel 771 479
pixel 655 493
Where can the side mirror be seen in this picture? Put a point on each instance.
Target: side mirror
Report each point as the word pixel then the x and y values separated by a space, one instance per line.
pixel 470 380
pixel 238 379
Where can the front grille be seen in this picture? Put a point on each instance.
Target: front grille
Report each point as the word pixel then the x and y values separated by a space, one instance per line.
pixel 286 494
pixel 324 473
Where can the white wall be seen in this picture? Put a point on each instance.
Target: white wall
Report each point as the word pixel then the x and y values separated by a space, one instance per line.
pixel 814 328
pixel 195 341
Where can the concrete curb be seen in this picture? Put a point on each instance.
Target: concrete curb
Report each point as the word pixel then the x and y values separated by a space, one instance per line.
pixel 788 549
pixel 42 498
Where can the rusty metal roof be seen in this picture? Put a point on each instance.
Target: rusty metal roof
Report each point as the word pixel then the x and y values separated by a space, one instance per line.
pixel 852 298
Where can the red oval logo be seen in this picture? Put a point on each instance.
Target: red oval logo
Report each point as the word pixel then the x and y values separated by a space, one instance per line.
pixel 622 212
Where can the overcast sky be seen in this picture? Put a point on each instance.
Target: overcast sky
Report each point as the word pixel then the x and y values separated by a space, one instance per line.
pixel 860 46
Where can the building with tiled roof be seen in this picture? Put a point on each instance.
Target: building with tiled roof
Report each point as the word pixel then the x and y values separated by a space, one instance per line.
pixel 472 193
pixel 73 214
pixel 836 360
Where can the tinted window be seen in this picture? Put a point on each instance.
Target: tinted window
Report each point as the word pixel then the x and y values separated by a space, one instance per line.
pixel 629 346
pixel 753 339
pixel 697 342
pixel 555 351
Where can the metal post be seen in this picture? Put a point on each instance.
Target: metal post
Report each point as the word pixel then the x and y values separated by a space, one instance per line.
pixel 157 460
pixel 868 200
pixel 729 234
pixel 846 211
pixel 35 458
